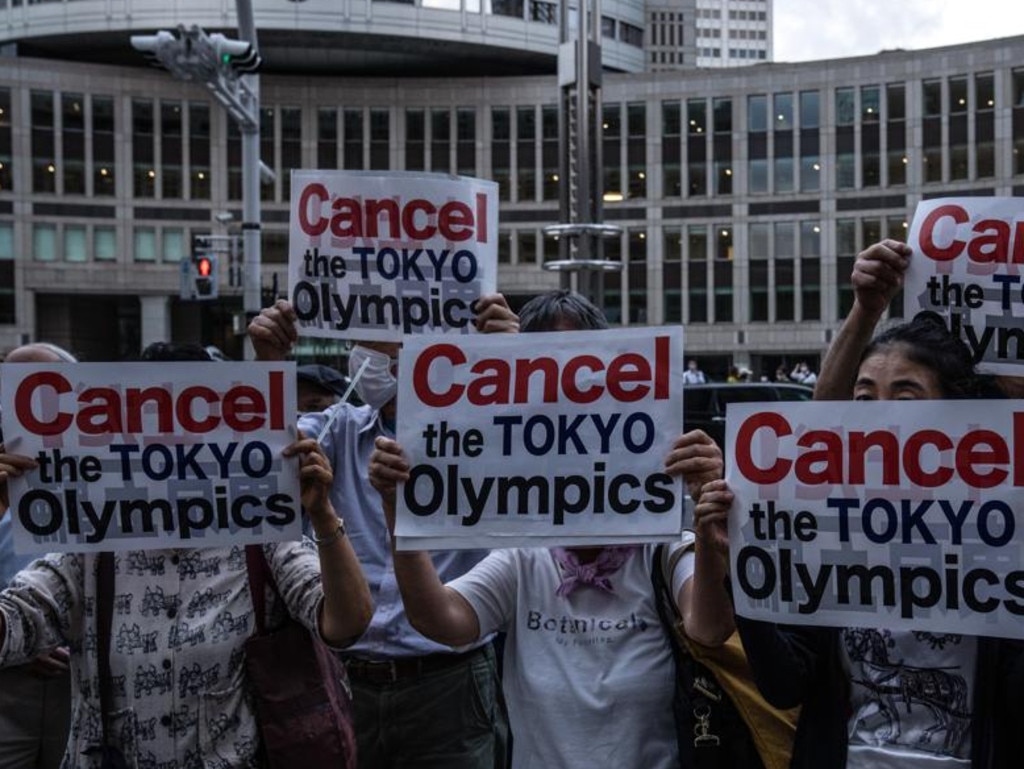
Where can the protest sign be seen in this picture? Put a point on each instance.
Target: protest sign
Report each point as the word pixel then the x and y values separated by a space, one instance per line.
pixel 879 514
pixel 150 455
pixel 375 255
pixel 540 439
pixel 966 267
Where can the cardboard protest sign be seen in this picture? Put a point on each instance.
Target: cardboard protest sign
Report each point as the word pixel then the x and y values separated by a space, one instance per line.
pixel 895 514
pixel 151 455
pixel 540 439
pixel 375 255
pixel 966 267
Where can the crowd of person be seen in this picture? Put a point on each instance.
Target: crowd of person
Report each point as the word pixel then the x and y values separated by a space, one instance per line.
pixel 447 667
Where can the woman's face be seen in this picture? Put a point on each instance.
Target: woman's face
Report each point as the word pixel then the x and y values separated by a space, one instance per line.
pixel 888 375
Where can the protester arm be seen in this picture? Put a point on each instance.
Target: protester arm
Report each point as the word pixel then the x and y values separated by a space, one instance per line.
pixel 347 606
pixel 438 612
pixel 704 602
pixel 42 608
pixel 877 278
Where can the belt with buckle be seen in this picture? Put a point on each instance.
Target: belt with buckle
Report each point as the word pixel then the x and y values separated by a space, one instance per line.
pixel 403 668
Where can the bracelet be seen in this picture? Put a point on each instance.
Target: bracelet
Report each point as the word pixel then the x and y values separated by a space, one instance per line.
pixel 338 533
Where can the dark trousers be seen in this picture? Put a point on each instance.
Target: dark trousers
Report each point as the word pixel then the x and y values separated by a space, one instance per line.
pixel 35 715
pixel 449 719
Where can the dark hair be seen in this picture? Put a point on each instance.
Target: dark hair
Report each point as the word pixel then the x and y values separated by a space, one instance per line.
pixel 927 342
pixel 544 312
pixel 175 351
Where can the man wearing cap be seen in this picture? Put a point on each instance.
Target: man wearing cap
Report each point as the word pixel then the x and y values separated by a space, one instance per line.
pixel 417 703
pixel 319 387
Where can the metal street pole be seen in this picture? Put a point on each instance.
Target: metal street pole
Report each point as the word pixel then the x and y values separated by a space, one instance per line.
pixel 251 243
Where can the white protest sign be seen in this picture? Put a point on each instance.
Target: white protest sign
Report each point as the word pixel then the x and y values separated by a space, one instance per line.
pixel 375 255
pixel 151 455
pixel 540 439
pixel 966 266
pixel 895 514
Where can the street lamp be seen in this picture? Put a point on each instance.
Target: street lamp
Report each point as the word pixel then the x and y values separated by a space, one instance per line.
pixel 227 68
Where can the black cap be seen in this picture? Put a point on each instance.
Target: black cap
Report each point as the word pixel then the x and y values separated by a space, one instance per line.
pixel 324 377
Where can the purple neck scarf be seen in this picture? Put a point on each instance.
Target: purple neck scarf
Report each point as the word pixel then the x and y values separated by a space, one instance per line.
pixel 596 573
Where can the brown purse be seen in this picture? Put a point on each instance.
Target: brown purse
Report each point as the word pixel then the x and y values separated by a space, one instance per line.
pixel 299 687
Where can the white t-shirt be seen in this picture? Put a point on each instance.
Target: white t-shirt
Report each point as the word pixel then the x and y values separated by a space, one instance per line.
pixel 912 699
pixel 588 678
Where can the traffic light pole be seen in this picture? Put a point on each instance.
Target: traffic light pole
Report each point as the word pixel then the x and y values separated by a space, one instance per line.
pixel 251 223
pixel 227 68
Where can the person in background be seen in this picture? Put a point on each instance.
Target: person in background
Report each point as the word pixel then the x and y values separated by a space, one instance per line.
pixel 35 699
pixel 693 374
pixel 181 619
pixel 946 701
pixel 319 387
pixel 417 702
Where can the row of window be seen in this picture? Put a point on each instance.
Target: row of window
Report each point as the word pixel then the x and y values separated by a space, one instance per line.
pixel 748 15
pixel 72 139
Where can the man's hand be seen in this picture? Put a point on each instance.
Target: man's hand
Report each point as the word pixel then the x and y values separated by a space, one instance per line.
pixel 388 467
pixel 878 275
pixel 53 664
pixel 493 315
pixel 274 331
pixel 315 481
pixel 697 458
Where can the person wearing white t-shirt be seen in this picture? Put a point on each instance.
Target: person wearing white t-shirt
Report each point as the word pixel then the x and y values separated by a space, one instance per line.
pixel 588 673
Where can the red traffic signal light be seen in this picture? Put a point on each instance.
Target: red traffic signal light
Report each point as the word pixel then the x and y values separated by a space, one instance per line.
pixel 204 266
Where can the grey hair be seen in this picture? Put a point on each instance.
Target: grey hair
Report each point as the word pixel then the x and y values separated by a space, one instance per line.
pixel 60 352
pixel 544 312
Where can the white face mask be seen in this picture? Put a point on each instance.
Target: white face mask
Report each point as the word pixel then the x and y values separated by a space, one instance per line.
pixel 377 386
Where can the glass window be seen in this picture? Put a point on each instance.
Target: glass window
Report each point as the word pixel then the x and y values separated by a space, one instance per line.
pixel 440 140
pixel 199 149
pixel 526 151
pixel 8 299
pixel 549 151
pixel 173 244
pixel 103 145
pixel 145 244
pixel 143 170
pixel 44 168
pixel 697 273
pixel 845 106
pixel 352 127
pixel 415 140
pixel 501 151
pixel 870 104
pixel 958 95
pixel 327 138
pixel 75 245
pixel 73 142
pixel 465 135
pixel 380 139
pixel 810 109
pixel 44 242
pixel 932 97
pixel 783 111
pixel 757 113
pixel 104 244
pixel 723 274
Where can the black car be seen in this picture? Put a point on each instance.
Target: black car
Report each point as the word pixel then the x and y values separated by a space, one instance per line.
pixel 704 406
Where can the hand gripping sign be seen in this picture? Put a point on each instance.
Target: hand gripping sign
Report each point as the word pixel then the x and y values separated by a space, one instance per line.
pixel 376 255
pixel 879 514
pixel 151 455
pixel 540 439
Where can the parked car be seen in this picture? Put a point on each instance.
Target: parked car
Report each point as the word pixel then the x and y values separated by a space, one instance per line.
pixel 704 406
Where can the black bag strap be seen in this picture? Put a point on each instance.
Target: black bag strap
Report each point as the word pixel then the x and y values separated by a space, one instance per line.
pixel 110 755
pixel 260 575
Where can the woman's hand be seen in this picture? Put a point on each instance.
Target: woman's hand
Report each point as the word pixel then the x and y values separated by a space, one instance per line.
pixel 711 516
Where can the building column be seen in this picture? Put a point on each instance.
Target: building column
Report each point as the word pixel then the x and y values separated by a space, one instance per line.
pixel 156 319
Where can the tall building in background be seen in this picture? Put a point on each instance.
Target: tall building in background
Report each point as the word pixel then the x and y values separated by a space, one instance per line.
pixel 733 33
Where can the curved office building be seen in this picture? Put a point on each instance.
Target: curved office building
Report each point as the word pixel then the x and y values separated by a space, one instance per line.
pixel 744 193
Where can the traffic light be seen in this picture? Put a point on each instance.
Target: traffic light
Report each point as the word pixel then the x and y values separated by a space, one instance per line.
pixel 239 55
pixel 204 276
pixel 162 44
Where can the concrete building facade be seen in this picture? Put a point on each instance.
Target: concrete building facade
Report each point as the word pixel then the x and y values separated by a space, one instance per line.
pixel 744 194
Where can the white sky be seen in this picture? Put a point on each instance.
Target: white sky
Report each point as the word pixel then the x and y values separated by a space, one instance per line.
pixel 828 29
